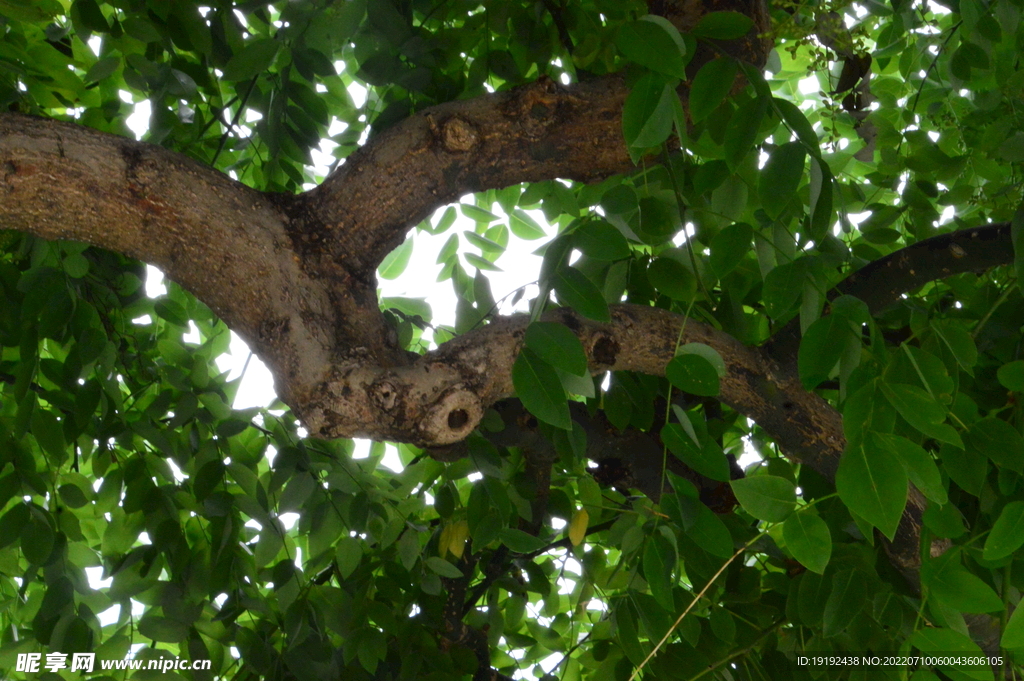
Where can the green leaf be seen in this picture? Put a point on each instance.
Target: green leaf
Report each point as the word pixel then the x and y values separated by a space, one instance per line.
pixel 648 114
pixel 709 532
pixel 710 87
pixel 779 179
pixel 809 540
pixel 693 374
pixel 920 410
pixel 541 392
pixel 255 58
pixel 1011 376
pixel 783 287
pixel 558 346
pixel 671 278
pixel 477 213
pixel 798 122
pixel 443 567
pixel 162 629
pixel 708 459
pixel 873 484
pixel 171 311
pixel 523 226
pixel 349 553
pixel 821 348
pixel 658 562
pixel 723 25
pixel 520 541
pixel 599 240
pixel 708 353
pixel 37 539
pixel 395 262
pixel 999 441
pixel 844 602
pixel 766 497
pixel 919 464
pixel 959 342
pixel 574 289
pixel 652 45
pixel 104 68
pixel 949 581
pixel 951 644
pixel 483 243
pixel 1007 533
pixel 729 247
pixel 1013 634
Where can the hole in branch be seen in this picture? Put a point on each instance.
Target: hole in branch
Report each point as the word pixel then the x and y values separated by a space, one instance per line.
pixel 457 418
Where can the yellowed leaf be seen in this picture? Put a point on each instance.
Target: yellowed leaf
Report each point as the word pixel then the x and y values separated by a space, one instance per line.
pixel 578 526
pixel 457 538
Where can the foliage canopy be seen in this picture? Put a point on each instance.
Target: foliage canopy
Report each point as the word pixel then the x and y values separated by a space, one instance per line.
pixel 568 533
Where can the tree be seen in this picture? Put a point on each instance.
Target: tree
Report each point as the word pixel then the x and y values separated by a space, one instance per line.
pixel 786 228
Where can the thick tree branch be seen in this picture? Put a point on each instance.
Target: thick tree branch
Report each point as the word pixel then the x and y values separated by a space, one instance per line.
pixel 882 282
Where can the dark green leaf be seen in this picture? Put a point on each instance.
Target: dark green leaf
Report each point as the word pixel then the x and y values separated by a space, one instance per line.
pixel 1007 533
pixel 845 601
pixel 920 410
pixel 809 540
pixel 710 87
pixel 599 240
pixel 574 289
pixel 729 247
pixel 766 497
pixel 949 581
pixel 650 44
pixel 541 392
pixel 520 541
pixel 443 567
pixel 693 374
pixel 821 348
pixel 558 346
pixel 1011 376
pixel 723 25
pixel 671 278
pixel 873 484
pixel 999 441
pixel 707 459
pixel 919 464
pixel 648 114
pixel 255 58
pixel 780 177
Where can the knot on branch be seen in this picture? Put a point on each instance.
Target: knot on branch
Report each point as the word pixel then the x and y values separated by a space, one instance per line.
pixel 384 395
pixel 459 135
pixel 452 418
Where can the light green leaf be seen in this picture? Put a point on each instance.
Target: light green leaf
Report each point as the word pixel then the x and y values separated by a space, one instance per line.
pixel 541 392
pixel 523 226
pixel 873 484
pixel 808 539
pixel 477 213
pixel 394 263
pixel 766 497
